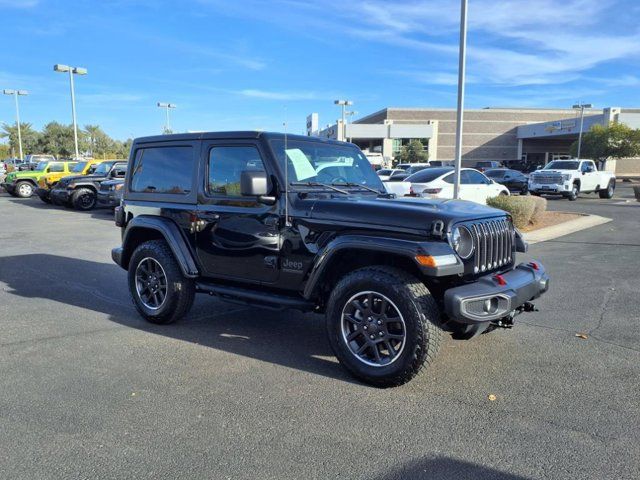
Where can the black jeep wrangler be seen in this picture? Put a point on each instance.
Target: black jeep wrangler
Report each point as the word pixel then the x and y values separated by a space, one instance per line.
pixel 213 213
pixel 81 191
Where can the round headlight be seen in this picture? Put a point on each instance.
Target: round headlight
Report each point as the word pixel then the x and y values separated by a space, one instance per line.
pixel 462 242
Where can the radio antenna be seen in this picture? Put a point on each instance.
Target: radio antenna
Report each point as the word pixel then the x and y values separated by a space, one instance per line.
pixel 286 174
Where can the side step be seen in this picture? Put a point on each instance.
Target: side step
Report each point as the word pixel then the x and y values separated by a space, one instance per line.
pixel 251 297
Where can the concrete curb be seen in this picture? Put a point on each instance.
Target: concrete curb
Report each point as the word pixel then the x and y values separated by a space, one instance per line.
pixel 571 226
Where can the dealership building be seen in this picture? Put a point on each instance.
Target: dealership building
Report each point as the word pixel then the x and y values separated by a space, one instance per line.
pixel 531 135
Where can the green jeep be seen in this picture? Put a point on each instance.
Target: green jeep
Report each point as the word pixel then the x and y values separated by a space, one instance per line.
pixel 24 184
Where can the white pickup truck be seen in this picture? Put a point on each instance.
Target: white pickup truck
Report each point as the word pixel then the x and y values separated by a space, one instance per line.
pixel 571 177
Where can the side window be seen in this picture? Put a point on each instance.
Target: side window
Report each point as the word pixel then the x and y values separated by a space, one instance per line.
pixel 92 168
pixel 225 166
pixel 163 170
pixel 71 166
pixel 450 178
pixel 475 178
pixel 56 167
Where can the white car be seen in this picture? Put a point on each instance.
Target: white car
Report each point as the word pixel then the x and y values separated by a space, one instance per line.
pixel 386 173
pixel 437 182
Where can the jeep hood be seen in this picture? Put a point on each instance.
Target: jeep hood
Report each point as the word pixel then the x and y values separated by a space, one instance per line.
pixel 402 213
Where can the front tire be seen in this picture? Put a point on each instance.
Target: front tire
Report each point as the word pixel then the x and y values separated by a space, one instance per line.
pixel 608 193
pixel 575 191
pixel 382 325
pixel 23 189
pixel 160 292
pixel 83 199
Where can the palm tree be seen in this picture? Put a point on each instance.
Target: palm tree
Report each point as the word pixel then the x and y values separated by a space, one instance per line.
pixel 29 136
pixel 93 131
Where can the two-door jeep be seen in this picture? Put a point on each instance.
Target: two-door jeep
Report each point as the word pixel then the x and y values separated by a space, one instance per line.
pixel 298 222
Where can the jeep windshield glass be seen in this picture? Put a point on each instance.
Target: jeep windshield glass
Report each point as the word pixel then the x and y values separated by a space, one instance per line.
pixel 102 169
pixel 41 166
pixel 79 167
pixel 310 163
pixel 561 165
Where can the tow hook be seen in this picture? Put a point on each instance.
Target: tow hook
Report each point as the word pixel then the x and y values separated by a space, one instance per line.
pixel 508 321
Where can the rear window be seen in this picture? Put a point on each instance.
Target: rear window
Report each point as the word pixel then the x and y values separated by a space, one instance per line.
pixel 163 170
pixel 495 173
pixel 427 175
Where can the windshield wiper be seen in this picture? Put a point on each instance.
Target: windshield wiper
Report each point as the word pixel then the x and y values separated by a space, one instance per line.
pixel 359 185
pixel 318 184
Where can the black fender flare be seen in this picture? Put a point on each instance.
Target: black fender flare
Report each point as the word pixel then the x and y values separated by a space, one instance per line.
pixel 89 185
pixel 171 234
pixel 394 246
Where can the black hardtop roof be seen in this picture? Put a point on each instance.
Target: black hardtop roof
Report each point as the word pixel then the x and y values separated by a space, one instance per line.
pixel 249 134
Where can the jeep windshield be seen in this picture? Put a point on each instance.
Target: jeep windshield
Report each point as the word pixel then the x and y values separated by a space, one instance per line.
pixel 319 165
pixel 79 167
pixel 41 166
pixel 562 165
pixel 103 168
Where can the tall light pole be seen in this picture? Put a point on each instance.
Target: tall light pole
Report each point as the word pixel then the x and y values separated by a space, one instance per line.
pixel 15 94
pixel 167 106
pixel 581 106
pixel 462 60
pixel 58 67
pixel 344 104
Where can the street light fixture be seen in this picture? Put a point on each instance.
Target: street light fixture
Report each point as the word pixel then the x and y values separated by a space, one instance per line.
pixel 344 104
pixel 167 106
pixel 58 67
pixel 581 107
pixel 15 94
pixel 460 113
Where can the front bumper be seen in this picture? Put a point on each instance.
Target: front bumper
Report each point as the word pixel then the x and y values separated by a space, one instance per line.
pixel 108 199
pixel 43 192
pixel 59 196
pixel 550 188
pixel 493 297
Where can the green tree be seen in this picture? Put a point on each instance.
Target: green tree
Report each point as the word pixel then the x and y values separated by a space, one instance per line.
pixel 414 152
pixel 602 143
pixel 29 138
pixel 57 139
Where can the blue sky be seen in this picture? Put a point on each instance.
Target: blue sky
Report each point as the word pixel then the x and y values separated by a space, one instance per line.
pixel 253 64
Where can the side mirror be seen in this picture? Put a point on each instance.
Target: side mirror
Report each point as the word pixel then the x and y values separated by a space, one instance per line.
pixel 118 173
pixel 255 183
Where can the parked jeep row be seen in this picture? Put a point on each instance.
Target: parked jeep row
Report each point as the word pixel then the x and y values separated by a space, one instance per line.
pixel 74 184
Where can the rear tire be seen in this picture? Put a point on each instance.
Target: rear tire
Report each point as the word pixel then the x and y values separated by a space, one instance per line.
pixel 609 191
pixel 83 199
pixel 385 310
pixel 160 292
pixel 24 189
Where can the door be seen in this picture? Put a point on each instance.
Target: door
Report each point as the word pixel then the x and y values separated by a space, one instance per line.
pixel 238 238
pixel 590 177
pixel 480 187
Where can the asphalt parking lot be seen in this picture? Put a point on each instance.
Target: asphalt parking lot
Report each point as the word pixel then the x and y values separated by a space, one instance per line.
pixel 89 390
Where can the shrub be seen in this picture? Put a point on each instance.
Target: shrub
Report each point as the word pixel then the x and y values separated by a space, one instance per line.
pixel 521 208
pixel 540 206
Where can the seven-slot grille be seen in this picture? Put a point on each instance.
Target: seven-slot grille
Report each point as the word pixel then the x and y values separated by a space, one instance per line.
pixel 493 244
pixel 547 179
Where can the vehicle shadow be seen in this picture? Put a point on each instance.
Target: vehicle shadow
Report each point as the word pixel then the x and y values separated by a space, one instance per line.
pixel 101 213
pixel 286 338
pixel 446 468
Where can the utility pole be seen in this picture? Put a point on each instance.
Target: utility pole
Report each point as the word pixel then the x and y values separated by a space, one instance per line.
pixel 166 106
pixel 15 94
pixel 460 113
pixel 581 106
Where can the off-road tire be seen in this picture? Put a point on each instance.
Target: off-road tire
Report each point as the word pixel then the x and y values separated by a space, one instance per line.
pixel 46 199
pixel 180 290
pixel 609 191
pixel 25 184
pixel 418 309
pixel 81 199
